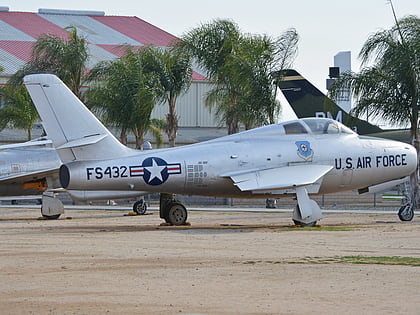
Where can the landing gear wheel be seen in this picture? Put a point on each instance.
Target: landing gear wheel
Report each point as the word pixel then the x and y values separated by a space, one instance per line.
pixel 140 207
pixel 176 214
pixel 406 212
pixel 301 224
pixel 51 217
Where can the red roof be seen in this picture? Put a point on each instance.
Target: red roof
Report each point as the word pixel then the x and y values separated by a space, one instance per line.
pixel 19 49
pixel 32 24
pixel 198 76
pixel 117 50
pixel 137 29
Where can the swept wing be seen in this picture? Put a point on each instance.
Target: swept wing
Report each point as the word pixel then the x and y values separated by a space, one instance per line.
pixel 279 178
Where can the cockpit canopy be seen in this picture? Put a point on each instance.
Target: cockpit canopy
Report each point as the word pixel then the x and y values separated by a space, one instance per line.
pixel 315 126
pixel 308 126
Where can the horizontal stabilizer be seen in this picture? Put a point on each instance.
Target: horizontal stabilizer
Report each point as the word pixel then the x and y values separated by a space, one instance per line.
pixel 82 142
pixel 279 178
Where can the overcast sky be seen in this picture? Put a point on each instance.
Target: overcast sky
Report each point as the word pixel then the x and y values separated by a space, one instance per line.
pixel 325 27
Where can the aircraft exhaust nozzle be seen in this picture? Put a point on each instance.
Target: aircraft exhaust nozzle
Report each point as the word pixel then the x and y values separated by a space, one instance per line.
pixel 73 177
pixel 64 176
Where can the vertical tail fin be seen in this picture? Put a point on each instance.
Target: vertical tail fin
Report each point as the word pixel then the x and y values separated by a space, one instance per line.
pixel 306 100
pixel 75 132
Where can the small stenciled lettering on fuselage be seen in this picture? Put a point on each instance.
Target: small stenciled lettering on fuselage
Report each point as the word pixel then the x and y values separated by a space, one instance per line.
pixel 196 174
pixel 379 161
pixel 155 171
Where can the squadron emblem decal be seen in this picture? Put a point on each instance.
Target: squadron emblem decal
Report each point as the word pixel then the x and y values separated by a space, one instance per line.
pixel 304 150
pixel 155 171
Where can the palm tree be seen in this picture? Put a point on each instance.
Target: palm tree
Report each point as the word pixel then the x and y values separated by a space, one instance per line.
pixel 240 67
pixel 19 111
pixel 156 128
pixel 65 58
pixel 124 95
pixel 211 45
pixel 258 58
pixel 390 87
pixel 174 72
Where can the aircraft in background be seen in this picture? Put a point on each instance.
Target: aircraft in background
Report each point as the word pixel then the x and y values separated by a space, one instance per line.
pixel 26 169
pixel 307 101
pixel 30 170
pixel 296 158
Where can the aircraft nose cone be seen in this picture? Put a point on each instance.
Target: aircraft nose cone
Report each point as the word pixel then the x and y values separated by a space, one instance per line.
pixel 412 158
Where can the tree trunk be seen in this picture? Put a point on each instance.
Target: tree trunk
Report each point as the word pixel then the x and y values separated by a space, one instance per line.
pixel 171 123
pixel 123 137
pixel 232 121
pixel 233 126
pixel 414 177
pixel 139 138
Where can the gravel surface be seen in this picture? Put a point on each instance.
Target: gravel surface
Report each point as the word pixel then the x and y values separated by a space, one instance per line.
pixel 103 262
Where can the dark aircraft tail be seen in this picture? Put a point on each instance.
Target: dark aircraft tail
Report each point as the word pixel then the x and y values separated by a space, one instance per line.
pixel 307 101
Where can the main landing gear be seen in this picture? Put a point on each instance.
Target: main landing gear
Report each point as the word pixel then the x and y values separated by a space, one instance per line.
pixel 52 207
pixel 307 211
pixel 171 210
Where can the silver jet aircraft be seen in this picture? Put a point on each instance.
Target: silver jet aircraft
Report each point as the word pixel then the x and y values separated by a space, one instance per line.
pixel 30 171
pixel 297 158
pixel 26 170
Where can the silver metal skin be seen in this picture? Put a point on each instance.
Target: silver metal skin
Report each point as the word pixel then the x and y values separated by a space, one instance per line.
pixel 25 167
pixel 26 170
pixel 210 168
pixel 30 171
pixel 298 158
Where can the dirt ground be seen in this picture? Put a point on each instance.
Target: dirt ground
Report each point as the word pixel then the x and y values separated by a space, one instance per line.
pixel 102 262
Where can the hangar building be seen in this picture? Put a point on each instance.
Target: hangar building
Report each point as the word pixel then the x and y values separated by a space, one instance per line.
pixel 106 36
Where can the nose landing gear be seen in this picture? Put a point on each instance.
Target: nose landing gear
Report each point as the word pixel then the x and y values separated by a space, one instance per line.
pixel 172 211
pixel 406 212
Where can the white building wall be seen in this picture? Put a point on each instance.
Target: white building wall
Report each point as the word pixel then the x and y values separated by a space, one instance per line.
pixel 190 108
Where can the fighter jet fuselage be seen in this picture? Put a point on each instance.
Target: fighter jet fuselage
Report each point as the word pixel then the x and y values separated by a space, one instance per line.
pixel 269 153
pixel 299 158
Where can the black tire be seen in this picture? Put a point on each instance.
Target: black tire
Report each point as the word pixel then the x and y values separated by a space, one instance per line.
pixel 140 207
pixel 301 224
pixel 176 214
pixel 406 212
pixel 51 217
